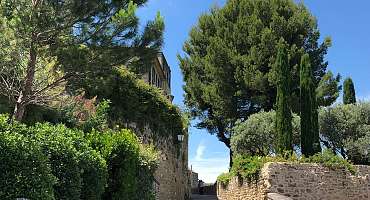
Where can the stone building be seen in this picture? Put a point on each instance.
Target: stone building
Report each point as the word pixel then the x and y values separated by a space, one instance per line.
pixel 172 176
pixel 194 179
pixel 159 75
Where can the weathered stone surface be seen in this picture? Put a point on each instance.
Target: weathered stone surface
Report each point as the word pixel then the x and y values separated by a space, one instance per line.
pixel 172 175
pixel 274 196
pixel 301 182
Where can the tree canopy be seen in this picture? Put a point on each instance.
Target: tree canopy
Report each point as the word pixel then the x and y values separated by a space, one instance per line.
pixel 48 43
pixel 229 57
pixel 345 129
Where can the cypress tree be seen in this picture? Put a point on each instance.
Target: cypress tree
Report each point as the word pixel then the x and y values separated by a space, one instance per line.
pixel 283 110
pixel 349 94
pixel 310 141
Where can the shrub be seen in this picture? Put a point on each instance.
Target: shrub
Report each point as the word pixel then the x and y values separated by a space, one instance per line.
pixel 148 163
pixel 329 159
pixel 63 158
pixel 130 169
pixel 345 129
pixel 257 135
pixel 224 178
pixel 81 171
pixel 94 175
pixel 24 169
pixel 75 165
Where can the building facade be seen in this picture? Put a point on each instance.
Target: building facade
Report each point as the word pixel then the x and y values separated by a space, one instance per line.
pixel 159 75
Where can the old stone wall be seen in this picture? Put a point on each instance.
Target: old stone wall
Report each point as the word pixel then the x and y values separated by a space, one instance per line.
pixel 301 182
pixel 172 176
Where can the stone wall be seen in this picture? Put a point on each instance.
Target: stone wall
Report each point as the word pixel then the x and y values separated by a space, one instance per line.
pixel 172 176
pixel 301 182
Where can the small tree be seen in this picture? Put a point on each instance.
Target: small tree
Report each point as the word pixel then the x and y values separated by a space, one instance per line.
pixel 349 93
pixel 283 112
pixel 310 139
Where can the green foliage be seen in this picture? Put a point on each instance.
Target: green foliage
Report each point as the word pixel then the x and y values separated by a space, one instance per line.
pixel 63 159
pixel 149 161
pixel 60 163
pixel 24 169
pixel 358 149
pixel 345 130
pixel 257 135
pixel 80 170
pixel 230 54
pixel 133 100
pixel 283 100
pixel 55 42
pixel 99 120
pixel 349 93
pixel 126 161
pixel 329 159
pixel 310 139
pixel 328 89
pixel 224 178
pixel 249 167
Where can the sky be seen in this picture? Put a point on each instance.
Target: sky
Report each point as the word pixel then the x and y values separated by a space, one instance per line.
pixel 346 22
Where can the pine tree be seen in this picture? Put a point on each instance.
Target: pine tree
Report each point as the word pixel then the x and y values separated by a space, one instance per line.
pixel 349 94
pixel 310 141
pixel 283 110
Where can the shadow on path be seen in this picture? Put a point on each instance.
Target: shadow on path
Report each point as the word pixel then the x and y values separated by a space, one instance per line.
pixel 203 197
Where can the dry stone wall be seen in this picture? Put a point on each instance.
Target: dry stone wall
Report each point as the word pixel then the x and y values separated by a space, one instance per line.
pixel 301 182
pixel 172 176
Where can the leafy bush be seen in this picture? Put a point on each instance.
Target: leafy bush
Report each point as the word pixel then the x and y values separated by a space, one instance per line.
pixel 130 169
pixel 24 169
pixel 329 159
pixel 224 178
pixel 76 165
pixel 149 161
pixel 63 158
pixel 345 129
pixel 81 172
pixel 257 135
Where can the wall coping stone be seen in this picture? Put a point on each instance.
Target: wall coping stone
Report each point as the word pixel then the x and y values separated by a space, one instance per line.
pixel 275 196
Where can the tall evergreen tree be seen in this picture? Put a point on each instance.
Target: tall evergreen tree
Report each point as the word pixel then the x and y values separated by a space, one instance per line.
pixel 349 93
pixel 310 141
pixel 229 58
pixel 283 110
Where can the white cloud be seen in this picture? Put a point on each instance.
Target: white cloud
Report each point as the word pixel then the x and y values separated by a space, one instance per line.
pixel 200 151
pixel 208 168
pixel 364 98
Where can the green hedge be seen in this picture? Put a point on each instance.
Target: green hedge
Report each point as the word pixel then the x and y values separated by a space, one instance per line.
pixel 131 165
pixel 24 169
pixel 53 162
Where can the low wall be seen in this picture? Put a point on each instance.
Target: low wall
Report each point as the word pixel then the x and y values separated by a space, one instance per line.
pixel 301 182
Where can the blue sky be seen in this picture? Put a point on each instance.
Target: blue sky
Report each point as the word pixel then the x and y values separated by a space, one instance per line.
pixel 346 22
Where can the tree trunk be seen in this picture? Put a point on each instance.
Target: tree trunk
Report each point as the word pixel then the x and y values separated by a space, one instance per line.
pixel 19 109
pixel 21 103
pixel 231 158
